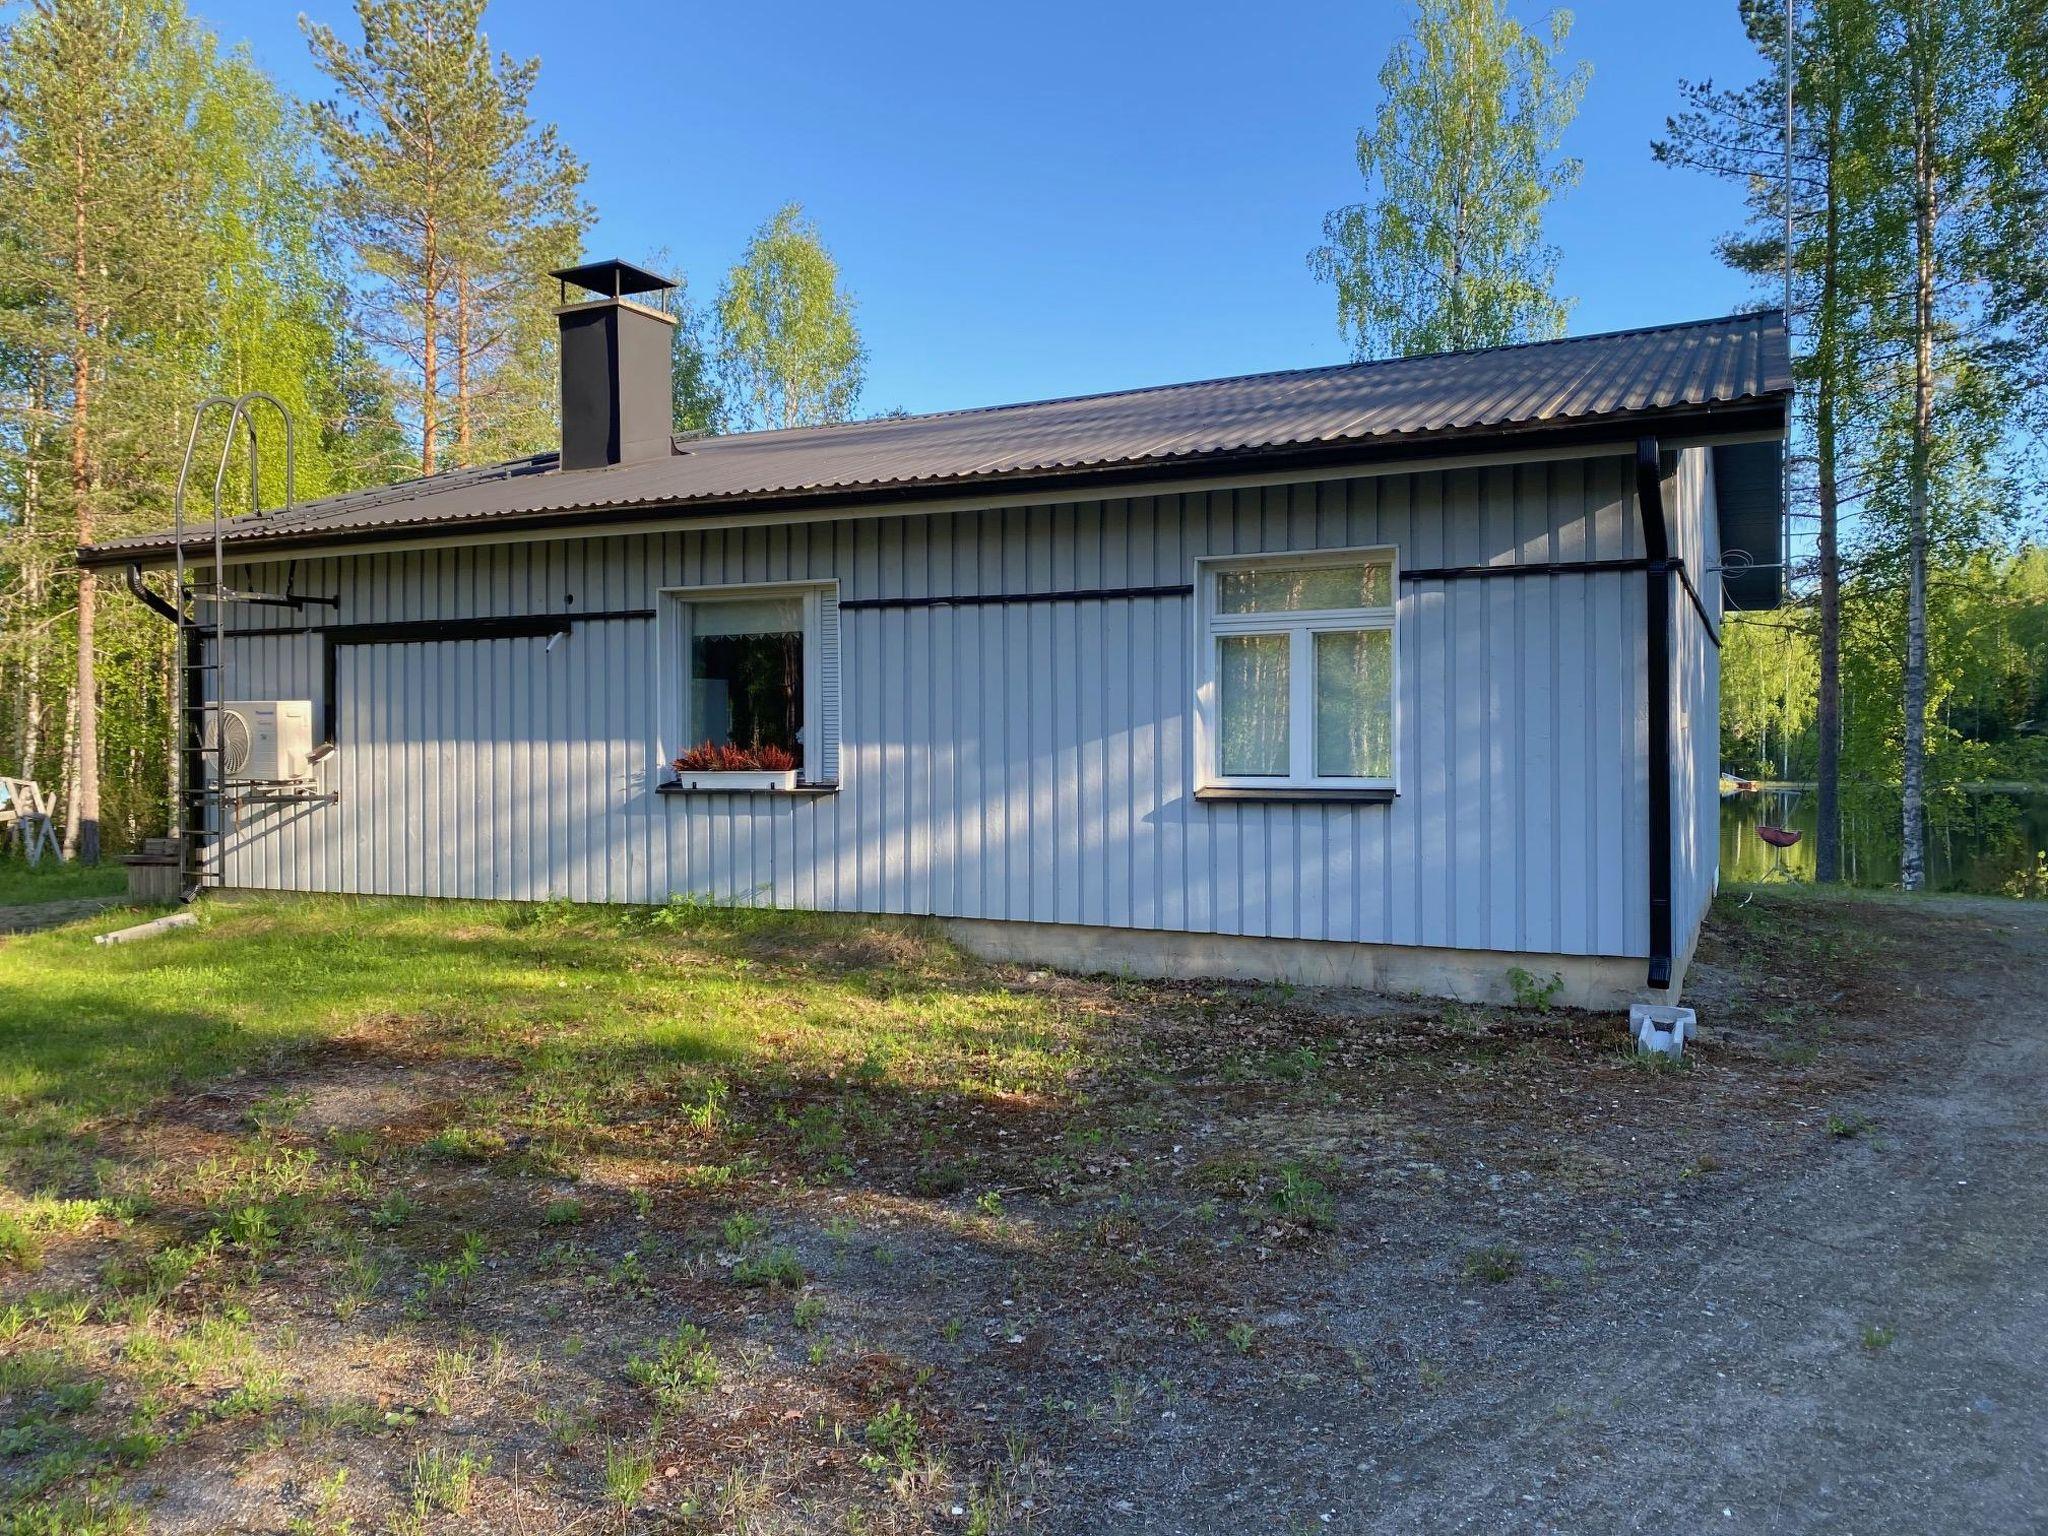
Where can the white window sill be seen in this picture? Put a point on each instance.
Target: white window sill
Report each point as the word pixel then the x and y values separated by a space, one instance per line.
pixel 742 784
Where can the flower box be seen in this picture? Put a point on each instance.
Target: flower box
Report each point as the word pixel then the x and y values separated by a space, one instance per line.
pixel 736 779
pixel 723 765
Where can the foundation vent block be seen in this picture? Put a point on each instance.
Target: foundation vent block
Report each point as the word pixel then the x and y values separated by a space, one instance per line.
pixel 1661 1029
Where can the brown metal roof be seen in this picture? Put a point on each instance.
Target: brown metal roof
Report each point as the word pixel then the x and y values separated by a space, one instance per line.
pixel 1701 366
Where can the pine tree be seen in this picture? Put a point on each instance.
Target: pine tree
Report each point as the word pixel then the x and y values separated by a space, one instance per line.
pixel 1460 164
pixel 790 351
pixel 456 204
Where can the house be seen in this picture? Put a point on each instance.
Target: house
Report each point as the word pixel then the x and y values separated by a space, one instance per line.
pixel 1397 674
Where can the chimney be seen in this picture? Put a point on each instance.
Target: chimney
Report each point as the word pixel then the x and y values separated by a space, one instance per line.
pixel 616 385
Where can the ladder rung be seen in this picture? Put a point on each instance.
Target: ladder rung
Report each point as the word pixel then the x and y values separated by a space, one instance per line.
pixel 232 595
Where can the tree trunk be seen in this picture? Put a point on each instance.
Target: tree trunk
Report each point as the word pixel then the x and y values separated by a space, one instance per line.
pixel 82 830
pixel 68 757
pixel 430 349
pixel 34 589
pixel 463 298
pixel 1827 852
pixel 1913 768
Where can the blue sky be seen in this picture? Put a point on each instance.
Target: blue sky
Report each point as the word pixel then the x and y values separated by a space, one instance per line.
pixel 1066 197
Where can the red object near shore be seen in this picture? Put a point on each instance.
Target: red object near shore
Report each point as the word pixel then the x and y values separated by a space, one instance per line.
pixel 1779 837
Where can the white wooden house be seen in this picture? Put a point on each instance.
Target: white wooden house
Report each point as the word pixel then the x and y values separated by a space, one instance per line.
pixel 1397 673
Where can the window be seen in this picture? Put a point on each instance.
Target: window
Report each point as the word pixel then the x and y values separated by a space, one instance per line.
pixel 1297 668
pixel 755 671
pixel 747 674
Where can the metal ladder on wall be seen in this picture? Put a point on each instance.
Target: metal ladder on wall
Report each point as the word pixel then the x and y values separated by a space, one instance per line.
pixel 203 808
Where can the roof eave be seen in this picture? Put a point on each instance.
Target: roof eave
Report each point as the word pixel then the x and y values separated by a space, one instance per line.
pixel 1758 414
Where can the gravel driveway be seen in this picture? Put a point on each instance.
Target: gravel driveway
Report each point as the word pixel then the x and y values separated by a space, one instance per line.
pixel 1860 1344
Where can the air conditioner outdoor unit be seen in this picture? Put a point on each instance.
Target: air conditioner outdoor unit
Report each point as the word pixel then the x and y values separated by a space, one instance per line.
pixel 266 740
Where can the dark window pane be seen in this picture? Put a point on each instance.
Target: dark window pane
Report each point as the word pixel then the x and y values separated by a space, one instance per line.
pixel 748 690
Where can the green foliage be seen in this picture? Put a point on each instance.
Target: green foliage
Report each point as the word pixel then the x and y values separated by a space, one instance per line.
pixel 1916 210
pixel 441 1481
pixel 678 1367
pixel 776 1266
pixel 1533 991
pixel 1447 252
pixel 174 250
pixel 23 885
pixel 455 205
pixel 892 1439
pixel 1495 1264
pixel 1987 677
pixel 2030 883
pixel 1301 1197
pixel 627 1472
pixel 790 351
pixel 698 392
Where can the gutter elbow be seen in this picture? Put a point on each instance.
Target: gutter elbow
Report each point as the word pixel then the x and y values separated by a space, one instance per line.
pixel 156 605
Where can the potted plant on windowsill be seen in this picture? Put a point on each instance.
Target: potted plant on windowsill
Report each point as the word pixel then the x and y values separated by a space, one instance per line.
pixel 710 765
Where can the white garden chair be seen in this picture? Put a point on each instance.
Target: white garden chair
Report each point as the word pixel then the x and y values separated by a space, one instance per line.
pixel 25 818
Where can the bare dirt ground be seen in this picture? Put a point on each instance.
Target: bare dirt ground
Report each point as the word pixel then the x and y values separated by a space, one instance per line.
pixel 1268 1262
pixel 1852 1338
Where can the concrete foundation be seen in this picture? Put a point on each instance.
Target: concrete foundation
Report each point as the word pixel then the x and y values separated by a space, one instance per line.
pixel 1469 975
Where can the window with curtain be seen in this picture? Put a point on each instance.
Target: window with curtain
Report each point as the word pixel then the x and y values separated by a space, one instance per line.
pixel 1298 683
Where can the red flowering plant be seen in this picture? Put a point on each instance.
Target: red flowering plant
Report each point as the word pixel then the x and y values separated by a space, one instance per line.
pixel 730 757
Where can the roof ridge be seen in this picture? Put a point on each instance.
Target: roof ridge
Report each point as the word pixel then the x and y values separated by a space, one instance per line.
pixel 1356 364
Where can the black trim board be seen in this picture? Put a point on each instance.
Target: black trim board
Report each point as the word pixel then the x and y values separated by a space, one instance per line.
pixel 987 599
pixel 525 626
pixel 1495 572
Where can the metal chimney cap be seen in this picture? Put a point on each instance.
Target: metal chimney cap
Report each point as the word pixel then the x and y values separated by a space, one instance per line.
pixel 612 279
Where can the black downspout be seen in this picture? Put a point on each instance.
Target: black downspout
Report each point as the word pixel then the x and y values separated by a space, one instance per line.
pixel 191 805
pixel 149 599
pixel 1657 671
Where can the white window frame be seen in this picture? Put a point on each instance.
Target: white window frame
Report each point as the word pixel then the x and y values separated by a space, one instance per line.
pixel 672 667
pixel 1300 626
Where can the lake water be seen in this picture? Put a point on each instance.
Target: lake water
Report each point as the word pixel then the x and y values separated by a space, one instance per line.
pixel 1977 840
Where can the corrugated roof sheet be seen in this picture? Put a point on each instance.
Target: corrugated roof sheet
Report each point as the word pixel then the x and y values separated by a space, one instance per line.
pixel 1697 365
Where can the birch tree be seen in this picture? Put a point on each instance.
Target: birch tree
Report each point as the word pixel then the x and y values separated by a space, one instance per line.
pixel 1447 251
pixel 790 352
pixel 1946 100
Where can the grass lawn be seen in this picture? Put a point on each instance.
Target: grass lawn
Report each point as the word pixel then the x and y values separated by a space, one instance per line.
pixel 48 880
pixel 359 1215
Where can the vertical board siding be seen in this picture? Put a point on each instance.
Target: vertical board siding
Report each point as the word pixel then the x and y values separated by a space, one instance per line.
pixel 1022 761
